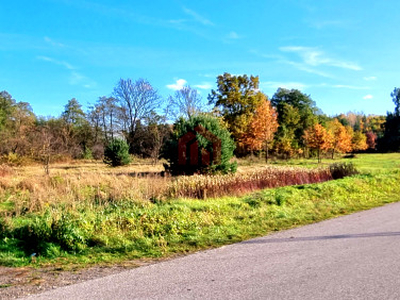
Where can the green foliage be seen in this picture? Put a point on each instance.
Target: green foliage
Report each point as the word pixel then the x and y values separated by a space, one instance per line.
pixel 48 234
pixel 116 153
pixel 396 100
pixel 390 142
pixel 296 113
pixel 213 126
pixel 125 230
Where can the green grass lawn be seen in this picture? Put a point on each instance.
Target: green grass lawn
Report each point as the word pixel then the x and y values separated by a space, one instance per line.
pixel 121 230
pixel 365 163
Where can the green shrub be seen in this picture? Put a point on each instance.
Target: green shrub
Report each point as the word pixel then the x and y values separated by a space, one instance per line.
pixel 209 126
pixel 116 153
pixel 341 170
pixel 47 233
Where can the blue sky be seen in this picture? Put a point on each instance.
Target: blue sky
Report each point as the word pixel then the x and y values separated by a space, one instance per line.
pixel 345 54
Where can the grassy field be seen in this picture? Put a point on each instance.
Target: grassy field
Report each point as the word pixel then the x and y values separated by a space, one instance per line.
pixel 86 213
pixel 365 163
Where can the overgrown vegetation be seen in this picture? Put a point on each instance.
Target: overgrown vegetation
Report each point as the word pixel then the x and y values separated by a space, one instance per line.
pixel 92 213
pixel 97 218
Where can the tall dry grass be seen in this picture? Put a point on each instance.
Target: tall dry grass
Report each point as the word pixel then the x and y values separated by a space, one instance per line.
pixel 28 189
pixel 202 186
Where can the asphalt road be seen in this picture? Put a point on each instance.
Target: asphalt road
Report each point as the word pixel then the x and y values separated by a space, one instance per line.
pixel 351 257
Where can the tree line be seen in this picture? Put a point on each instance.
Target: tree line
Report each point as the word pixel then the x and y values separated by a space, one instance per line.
pixel 289 124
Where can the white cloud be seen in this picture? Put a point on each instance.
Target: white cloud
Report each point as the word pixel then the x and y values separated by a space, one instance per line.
pixel 314 57
pixel 286 85
pixel 367 97
pixel 370 78
pixel 180 83
pixel 204 86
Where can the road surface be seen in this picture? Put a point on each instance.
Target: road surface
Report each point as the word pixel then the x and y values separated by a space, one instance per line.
pixel 351 257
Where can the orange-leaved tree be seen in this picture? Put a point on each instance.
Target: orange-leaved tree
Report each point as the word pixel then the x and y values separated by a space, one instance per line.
pixel 261 130
pixel 341 137
pixel 318 138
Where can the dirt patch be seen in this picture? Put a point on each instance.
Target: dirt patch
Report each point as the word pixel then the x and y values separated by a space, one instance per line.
pixel 20 282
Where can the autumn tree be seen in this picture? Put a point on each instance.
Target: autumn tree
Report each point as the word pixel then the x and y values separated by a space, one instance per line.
pixel 262 128
pixel 318 138
pixel 137 100
pixel 236 99
pixel 341 137
pixel 186 103
pixel 359 141
pixel 371 140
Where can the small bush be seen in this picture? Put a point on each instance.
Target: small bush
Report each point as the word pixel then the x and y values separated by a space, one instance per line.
pixel 44 234
pixel 117 153
pixel 341 170
pixel 208 132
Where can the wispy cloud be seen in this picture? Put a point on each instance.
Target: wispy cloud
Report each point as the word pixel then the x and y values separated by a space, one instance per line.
pixel 287 85
pixel 314 57
pixel 233 35
pixel 370 78
pixel 57 62
pixel 197 17
pixel 329 24
pixel 306 68
pixel 75 78
pixel 204 86
pixel 178 85
pixel 350 87
pixel 53 43
pixel 367 97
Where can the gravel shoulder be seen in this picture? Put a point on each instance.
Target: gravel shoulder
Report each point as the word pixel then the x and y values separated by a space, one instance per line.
pixel 24 281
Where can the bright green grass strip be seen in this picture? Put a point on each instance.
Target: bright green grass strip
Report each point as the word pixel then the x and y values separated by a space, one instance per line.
pixel 124 231
pixel 366 163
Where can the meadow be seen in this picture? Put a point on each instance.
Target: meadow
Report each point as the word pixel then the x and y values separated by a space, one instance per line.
pixel 85 213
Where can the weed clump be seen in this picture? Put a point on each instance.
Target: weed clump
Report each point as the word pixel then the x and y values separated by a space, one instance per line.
pixel 341 170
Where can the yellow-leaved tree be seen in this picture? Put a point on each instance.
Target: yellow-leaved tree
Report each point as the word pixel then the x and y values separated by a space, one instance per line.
pixel 318 138
pixel 359 141
pixel 341 137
